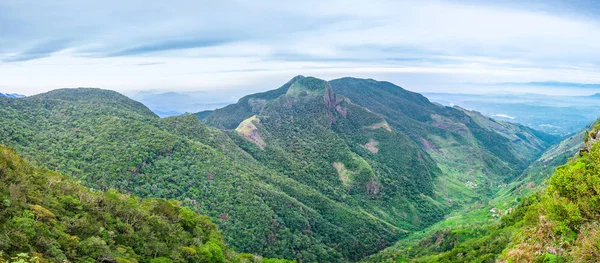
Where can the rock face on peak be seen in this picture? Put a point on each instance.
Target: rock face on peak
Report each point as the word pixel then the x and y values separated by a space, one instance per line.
pixel 230 116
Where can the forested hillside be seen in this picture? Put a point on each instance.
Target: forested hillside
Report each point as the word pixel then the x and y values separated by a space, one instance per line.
pixel 300 172
pixel 476 154
pixel 465 144
pixel 332 209
pixel 44 217
pixel 344 151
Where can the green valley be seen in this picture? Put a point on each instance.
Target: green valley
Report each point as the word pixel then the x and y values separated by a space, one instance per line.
pixel 311 171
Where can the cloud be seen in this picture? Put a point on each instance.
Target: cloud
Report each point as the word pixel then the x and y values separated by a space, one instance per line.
pixel 226 44
pixel 169 45
pixel 149 63
pixel 504 116
pixel 42 50
pixel 554 84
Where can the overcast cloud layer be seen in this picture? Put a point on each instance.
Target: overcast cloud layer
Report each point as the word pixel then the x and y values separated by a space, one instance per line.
pixel 449 46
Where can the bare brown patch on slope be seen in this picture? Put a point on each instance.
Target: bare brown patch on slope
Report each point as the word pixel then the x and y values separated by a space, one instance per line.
pixel 383 124
pixel 429 146
pixel 343 173
pixel 371 146
pixel 249 131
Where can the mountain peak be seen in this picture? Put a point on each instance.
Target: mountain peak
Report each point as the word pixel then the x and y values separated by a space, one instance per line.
pixel 97 96
pixel 307 85
pixel 81 93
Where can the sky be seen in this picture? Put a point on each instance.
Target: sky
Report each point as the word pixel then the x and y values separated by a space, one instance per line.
pixel 240 47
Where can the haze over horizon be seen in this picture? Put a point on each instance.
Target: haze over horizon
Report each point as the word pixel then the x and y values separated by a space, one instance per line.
pixel 240 47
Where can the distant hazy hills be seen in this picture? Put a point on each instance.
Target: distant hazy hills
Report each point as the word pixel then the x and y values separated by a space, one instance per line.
pixel 11 95
pixel 559 115
pixel 166 104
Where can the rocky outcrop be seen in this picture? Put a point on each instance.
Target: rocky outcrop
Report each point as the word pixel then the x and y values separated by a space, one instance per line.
pixel 590 140
pixel 329 99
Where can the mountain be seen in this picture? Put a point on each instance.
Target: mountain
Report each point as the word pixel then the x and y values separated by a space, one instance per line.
pixel 311 171
pixel 327 211
pixel 471 149
pixel 46 216
pixel 346 152
pixel 595 95
pixel 11 95
pixel 504 146
pixel 475 156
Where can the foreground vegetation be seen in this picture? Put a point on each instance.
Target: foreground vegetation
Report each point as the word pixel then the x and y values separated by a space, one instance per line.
pixel 47 218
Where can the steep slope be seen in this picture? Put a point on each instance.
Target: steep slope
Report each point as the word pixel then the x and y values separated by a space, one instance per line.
pixel 559 224
pixel 300 121
pixel 109 141
pixel 471 149
pixel 474 229
pixel 564 225
pixel 45 215
pixel 533 178
pixel 346 152
pixel 317 137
